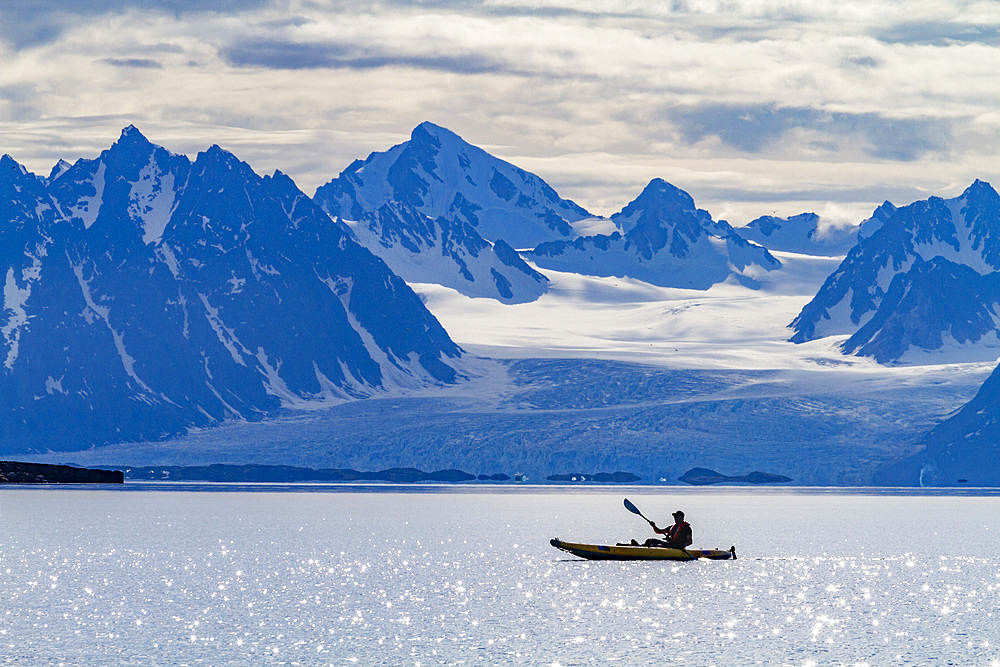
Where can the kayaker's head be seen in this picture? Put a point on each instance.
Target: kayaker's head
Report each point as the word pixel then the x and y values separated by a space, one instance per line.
pixel 678 516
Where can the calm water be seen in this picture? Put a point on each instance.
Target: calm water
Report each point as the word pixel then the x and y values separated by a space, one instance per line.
pixel 446 576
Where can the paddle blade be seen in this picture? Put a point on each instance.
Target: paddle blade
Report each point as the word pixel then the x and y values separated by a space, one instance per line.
pixel 632 508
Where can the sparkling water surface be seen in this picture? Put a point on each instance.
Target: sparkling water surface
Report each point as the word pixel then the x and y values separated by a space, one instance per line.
pixel 209 574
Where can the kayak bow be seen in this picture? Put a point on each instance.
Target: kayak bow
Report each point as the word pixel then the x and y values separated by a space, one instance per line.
pixel 627 552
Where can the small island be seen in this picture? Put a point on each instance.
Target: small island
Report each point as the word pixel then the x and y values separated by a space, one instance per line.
pixel 705 476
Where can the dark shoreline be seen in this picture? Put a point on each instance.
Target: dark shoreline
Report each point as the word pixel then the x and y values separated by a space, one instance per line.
pixel 18 472
pixel 220 472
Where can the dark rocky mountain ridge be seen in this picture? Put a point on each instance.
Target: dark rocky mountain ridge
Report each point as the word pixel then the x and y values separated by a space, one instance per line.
pixel 920 276
pixel 146 294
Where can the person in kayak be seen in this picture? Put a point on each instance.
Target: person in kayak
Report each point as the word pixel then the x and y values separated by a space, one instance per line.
pixel 676 536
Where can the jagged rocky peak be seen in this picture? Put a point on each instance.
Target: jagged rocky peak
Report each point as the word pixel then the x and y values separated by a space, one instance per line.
pixel 23 199
pixel 659 203
pixel 27 217
pixel 883 294
pixel 131 135
pixel 877 219
pixel 443 176
pixel 58 169
pixel 131 146
pixel 981 189
pixel 7 162
pixel 133 170
pixel 11 169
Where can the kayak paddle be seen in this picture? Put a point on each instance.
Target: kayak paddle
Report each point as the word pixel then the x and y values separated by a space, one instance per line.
pixel 633 509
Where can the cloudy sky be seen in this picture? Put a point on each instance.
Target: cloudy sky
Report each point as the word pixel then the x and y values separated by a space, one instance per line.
pixel 753 106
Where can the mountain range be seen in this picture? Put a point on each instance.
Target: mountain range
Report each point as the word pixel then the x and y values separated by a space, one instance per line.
pixel 440 210
pixel 146 294
pixel 664 240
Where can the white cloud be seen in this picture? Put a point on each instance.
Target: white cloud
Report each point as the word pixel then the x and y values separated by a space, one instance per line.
pixel 771 104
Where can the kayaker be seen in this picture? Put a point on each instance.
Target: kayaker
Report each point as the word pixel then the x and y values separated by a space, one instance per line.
pixel 676 536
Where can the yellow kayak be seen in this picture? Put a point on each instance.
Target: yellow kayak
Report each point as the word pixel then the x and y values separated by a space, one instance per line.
pixel 626 552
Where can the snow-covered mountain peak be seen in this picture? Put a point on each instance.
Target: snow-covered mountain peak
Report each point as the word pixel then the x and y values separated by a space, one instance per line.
pixel 663 215
pixel 441 175
pixel 434 134
pixel 438 209
pixel 804 233
pixel 658 191
pixel 980 188
pixel 660 203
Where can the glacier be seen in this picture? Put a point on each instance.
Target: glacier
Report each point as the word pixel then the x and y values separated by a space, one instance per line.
pixel 616 374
